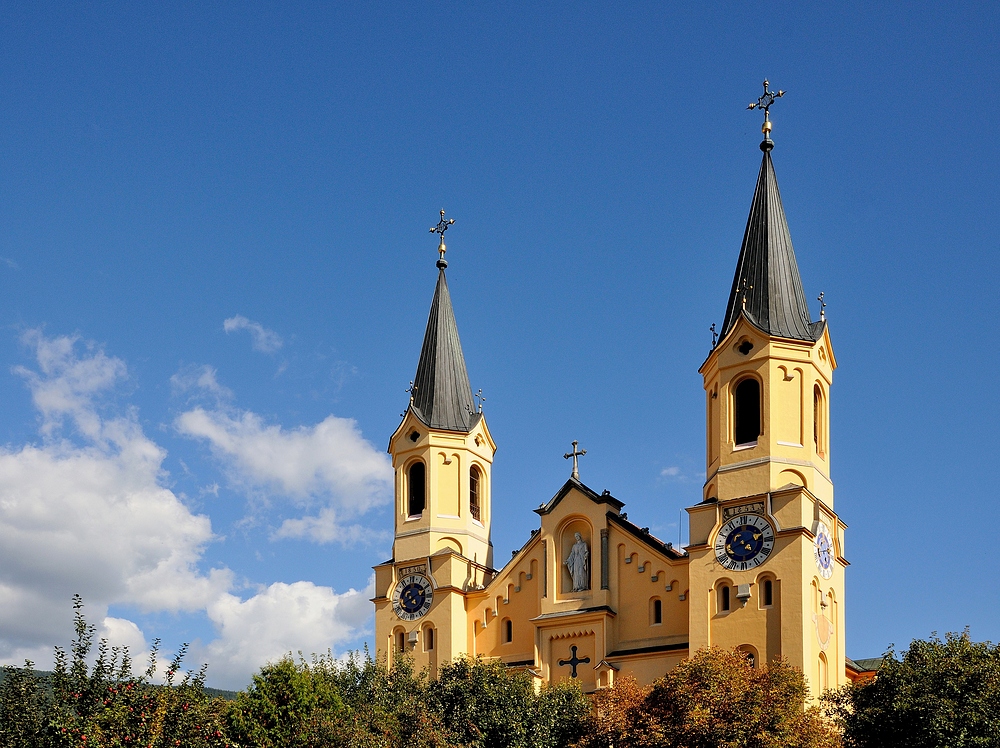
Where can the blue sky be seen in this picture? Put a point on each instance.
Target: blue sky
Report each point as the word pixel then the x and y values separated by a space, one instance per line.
pixel 216 270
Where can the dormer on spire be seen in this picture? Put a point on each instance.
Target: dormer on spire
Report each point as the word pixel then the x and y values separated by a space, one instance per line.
pixel 442 395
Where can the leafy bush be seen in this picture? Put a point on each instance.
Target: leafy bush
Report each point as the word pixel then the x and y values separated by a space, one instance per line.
pixel 939 693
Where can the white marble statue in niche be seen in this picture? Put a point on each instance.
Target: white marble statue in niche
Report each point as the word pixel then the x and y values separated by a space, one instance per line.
pixel 578 563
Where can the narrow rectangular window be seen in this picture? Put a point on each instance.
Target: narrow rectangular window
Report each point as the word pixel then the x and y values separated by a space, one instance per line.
pixel 417 479
pixel 428 639
pixel 724 601
pixel 768 592
pixel 474 503
pixel 657 611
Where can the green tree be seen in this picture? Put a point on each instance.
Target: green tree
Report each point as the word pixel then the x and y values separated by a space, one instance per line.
pixel 718 699
pixel 484 704
pixel 23 707
pixel 106 705
pixel 939 693
pixel 288 705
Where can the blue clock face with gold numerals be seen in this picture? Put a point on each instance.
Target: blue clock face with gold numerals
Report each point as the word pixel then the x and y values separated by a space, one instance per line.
pixel 744 542
pixel 412 597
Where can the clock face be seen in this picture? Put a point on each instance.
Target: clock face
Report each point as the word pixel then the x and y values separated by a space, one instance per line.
pixel 412 597
pixel 823 550
pixel 744 542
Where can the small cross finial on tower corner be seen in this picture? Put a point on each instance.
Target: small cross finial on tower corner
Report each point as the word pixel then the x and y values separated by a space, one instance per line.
pixel 412 390
pixel 441 227
pixel 744 288
pixel 764 102
pixel 480 400
pixel 576 455
pixel 822 305
pixel 715 335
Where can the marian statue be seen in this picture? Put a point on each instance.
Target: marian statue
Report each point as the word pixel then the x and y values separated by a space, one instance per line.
pixel 578 563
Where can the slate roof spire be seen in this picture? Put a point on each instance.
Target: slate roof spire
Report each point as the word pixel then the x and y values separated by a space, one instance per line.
pixel 442 395
pixel 767 288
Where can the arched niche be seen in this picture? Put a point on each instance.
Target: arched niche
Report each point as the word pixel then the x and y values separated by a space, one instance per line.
pixel 567 543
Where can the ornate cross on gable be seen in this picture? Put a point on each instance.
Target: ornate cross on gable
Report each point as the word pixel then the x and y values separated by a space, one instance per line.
pixel 822 305
pixel 442 226
pixel 573 661
pixel 576 455
pixel 479 397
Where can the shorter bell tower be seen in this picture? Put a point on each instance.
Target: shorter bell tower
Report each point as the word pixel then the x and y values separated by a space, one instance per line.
pixel 442 455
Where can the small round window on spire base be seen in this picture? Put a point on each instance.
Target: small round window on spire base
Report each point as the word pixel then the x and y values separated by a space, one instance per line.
pixel 745 347
pixel 414 436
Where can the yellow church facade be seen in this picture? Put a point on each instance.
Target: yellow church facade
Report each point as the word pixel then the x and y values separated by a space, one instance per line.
pixel 593 595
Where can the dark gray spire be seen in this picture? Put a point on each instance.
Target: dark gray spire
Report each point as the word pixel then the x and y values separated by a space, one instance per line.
pixel 767 286
pixel 442 397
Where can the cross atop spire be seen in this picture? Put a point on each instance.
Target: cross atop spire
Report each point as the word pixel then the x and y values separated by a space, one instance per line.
pixel 764 102
pixel 442 226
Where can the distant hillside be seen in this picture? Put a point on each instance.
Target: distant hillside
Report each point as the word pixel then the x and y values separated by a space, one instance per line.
pixel 214 692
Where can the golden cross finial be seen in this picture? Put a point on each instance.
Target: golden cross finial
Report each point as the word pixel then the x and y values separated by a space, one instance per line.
pixel 764 102
pixel 442 226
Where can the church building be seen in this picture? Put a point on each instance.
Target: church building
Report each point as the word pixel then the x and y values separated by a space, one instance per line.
pixel 592 595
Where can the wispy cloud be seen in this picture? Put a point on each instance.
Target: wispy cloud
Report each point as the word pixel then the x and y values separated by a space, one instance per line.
pixel 670 472
pixel 10 263
pixel 263 340
pixel 202 379
pixel 329 465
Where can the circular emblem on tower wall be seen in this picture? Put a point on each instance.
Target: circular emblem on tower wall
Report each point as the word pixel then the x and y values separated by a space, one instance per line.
pixel 744 542
pixel 823 550
pixel 412 597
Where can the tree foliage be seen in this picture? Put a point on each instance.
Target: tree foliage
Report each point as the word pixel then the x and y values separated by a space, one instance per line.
pixel 938 693
pixel 716 699
pixel 106 705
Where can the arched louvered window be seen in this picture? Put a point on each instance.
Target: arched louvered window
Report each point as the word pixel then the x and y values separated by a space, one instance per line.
pixel 475 490
pixel 819 417
pixel 746 411
pixel 417 484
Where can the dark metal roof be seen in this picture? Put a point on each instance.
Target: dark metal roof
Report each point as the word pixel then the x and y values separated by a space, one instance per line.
pixel 597 498
pixel 648 650
pixel 767 274
pixel 643 534
pixel 869 665
pixel 442 397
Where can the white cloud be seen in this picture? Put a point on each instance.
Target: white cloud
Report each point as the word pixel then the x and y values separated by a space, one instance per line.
pixel 279 619
pixel 94 517
pixel 263 340
pixel 9 263
pixel 670 472
pixel 329 463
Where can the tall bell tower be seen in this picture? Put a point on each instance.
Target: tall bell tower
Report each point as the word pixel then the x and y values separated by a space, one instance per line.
pixel 767 548
pixel 442 454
